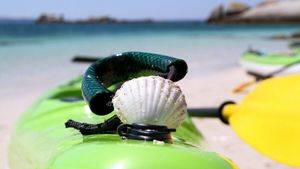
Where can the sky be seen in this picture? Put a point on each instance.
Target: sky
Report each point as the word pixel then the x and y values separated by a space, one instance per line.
pixel 124 9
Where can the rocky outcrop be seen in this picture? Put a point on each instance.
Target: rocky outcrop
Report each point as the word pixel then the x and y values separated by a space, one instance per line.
pixel 46 18
pixel 272 11
pixel 236 8
pixel 217 14
pixel 98 20
pixel 53 19
pixel 222 13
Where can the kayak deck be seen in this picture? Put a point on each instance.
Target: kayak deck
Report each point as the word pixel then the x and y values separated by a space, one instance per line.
pixel 41 141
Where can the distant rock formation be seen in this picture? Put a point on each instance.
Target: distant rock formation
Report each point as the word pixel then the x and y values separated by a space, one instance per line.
pixel 47 18
pixel 271 11
pixel 222 13
pixel 54 19
pixel 236 8
pixel 218 13
pixel 102 19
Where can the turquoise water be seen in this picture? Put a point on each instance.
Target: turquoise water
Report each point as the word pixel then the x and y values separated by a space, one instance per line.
pixel 31 52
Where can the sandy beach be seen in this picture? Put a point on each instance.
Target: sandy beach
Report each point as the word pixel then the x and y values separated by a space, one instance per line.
pixel 201 91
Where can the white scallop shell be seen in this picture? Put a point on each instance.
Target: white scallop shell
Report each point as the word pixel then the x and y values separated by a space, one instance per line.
pixel 150 100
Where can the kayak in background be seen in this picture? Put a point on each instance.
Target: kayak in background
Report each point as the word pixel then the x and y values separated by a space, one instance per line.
pixel 263 65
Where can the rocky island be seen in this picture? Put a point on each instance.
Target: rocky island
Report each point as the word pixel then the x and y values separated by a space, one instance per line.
pixel 55 19
pixel 270 11
pixel 47 18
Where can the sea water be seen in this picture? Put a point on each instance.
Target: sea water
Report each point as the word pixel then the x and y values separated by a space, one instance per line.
pixel 40 54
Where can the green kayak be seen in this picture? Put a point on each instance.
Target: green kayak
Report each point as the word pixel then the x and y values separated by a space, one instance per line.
pixel 263 64
pixel 41 140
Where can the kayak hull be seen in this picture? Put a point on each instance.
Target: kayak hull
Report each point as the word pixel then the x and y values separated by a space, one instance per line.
pixel 41 141
pixel 265 64
pixel 265 69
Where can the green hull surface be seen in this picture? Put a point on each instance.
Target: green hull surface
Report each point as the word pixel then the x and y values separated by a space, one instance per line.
pixel 41 141
pixel 271 59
